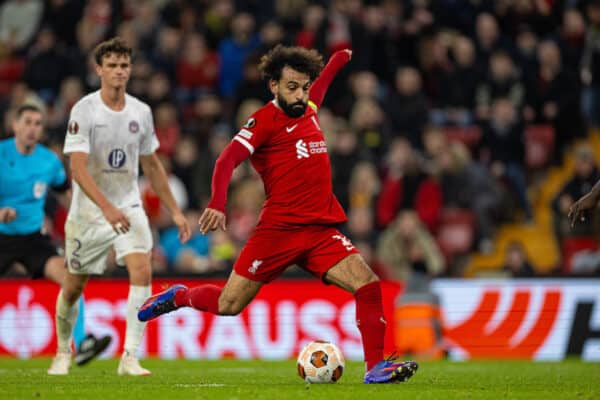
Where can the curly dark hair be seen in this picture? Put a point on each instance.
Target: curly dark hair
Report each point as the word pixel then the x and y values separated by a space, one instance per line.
pixel 303 60
pixel 115 45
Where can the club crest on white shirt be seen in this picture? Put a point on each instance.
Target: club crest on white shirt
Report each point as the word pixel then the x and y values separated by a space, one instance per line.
pixel 134 127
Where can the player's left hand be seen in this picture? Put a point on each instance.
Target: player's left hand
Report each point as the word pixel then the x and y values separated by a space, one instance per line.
pixel 212 219
pixel 184 228
pixel 349 52
pixel 576 211
pixel 7 214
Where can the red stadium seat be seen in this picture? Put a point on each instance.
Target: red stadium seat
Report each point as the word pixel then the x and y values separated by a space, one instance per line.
pixel 539 143
pixel 469 136
pixel 456 232
pixel 572 246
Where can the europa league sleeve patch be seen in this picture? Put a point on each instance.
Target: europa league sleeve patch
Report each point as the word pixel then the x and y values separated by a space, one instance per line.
pixel 73 128
pixel 250 124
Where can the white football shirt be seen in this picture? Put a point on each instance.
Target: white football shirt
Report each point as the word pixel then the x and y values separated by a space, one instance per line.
pixel 113 140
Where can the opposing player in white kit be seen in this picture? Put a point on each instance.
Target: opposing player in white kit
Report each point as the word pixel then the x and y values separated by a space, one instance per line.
pixel 109 132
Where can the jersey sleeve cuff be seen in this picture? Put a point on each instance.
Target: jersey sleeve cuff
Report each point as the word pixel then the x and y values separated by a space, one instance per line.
pixel 76 149
pixel 216 206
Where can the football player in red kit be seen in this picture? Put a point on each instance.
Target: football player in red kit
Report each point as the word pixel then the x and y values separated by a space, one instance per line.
pixel 297 225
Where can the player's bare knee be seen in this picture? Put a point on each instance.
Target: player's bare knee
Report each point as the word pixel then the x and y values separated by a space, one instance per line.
pixel 71 292
pixel 140 274
pixel 362 273
pixel 370 277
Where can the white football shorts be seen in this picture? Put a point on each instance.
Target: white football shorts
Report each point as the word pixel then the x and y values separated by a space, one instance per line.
pixel 87 244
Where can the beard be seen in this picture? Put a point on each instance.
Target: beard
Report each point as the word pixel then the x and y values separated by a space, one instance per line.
pixel 293 110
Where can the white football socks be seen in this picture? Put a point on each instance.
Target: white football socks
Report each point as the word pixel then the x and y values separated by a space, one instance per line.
pixel 135 328
pixel 65 319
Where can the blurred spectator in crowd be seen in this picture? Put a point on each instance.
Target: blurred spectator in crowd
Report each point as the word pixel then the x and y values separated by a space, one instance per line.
pixel 216 21
pixel 345 154
pixel 364 185
pixel 19 21
pixel 157 213
pixel 128 33
pixel 166 53
pixel 202 254
pixel 234 50
pixel 457 87
pixel 100 17
pixel 140 77
pixel 58 114
pixel 571 39
pixel 146 22
pixel 198 169
pixel 363 85
pixel 197 69
pixel 185 160
pixel 502 81
pixel 48 65
pixel 158 89
pixel 435 142
pixel 368 118
pixel 82 62
pixel 247 198
pixel 342 29
pixel 526 57
pixel 542 16
pixel 590 64
pixel 405 185
pixel 251 86
pixel 271 34
pixel 407 106
pixel 380 30
pixel 167 128
pixel 503 150
pixel 409 250
pixel 516 263
pixel 469 185
pixel 434 63
pixel 488 39
pixel 586 174
pixel 360 225
pixel 555 98
pixel 203 116
pixel 61 16
pixel 312 17
pixel 19 95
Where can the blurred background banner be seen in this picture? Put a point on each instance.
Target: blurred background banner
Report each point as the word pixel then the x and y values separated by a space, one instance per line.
pixel 549 320
pixel 276 325
pixel 542 319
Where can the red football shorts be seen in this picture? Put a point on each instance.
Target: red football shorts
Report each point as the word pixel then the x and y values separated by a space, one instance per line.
pixel 269 251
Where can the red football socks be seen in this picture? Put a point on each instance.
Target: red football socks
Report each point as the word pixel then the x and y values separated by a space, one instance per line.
pixel 370 322
pixel 203 298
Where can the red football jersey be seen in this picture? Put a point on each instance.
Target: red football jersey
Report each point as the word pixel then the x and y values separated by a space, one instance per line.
pixel 291 157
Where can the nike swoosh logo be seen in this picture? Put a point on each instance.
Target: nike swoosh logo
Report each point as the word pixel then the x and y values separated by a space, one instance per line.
pixel 289 129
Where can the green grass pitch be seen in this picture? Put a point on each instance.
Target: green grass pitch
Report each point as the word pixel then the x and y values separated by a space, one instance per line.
pixel 254 380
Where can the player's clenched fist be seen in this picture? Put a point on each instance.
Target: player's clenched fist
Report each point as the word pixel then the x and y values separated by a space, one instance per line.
pixel 7 215
pixel 212 219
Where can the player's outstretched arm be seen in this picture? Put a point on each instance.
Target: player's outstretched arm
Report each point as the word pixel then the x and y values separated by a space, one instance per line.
pixel 586 202
pixel 213 216
pixel 155 172
pixel 81 175
pixel 321 84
